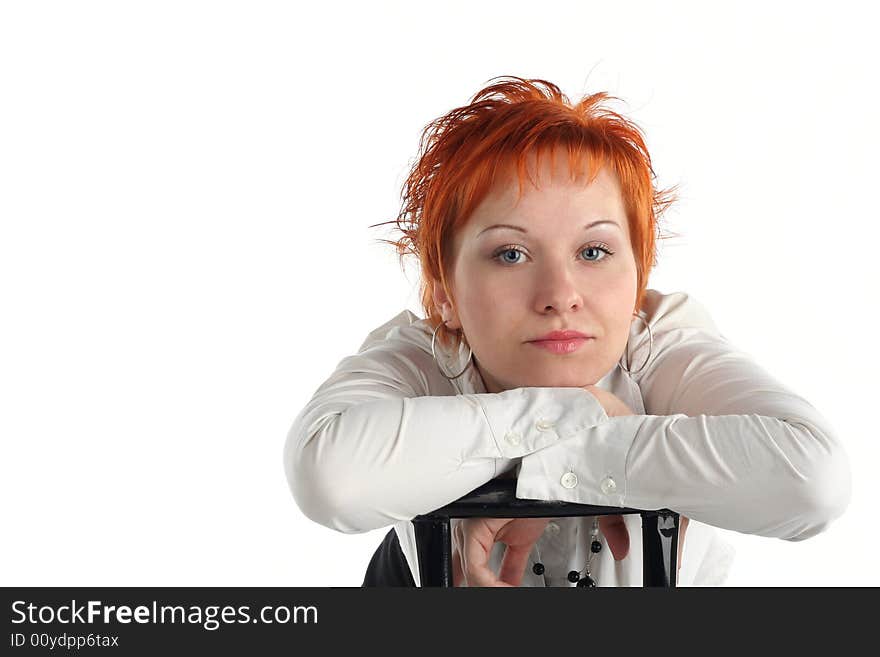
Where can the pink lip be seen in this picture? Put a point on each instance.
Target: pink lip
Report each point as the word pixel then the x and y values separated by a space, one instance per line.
pixel 561 346
pixel 563 335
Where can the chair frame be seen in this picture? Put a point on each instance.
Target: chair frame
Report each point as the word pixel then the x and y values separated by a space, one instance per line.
pixel 497 499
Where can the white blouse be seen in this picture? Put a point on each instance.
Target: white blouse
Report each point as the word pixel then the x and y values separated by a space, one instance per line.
pixel 715 438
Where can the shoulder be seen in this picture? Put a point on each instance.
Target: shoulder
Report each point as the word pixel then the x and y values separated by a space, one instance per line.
pixel 405 327
pixel 405 331
pixel 675 319
pixel 403 345
pixel 674 310
pixel 391 356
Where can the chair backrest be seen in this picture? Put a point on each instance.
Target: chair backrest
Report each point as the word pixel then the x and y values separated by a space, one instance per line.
pixel 497 499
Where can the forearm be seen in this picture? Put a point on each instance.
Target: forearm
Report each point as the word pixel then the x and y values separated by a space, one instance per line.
pixel 377 462
pixel 747 473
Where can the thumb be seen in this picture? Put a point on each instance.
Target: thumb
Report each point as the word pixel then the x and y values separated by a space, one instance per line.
pixel 616 535
pixel 513 564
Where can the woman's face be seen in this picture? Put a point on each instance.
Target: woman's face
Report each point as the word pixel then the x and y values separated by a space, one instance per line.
pixel 545 270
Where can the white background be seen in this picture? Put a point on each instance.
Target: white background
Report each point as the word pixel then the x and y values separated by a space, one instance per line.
pixel 185 195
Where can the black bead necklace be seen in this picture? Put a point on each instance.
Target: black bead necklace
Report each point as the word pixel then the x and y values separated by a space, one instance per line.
pixel 586 580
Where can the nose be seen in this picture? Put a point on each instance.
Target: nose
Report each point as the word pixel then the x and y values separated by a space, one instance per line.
pixel 557 289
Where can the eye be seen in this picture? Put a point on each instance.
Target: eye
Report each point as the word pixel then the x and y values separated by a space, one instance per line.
pixel 507 251
pixel 598 250
pixel 508 254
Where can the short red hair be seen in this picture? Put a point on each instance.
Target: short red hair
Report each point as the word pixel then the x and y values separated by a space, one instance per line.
pixel 463 153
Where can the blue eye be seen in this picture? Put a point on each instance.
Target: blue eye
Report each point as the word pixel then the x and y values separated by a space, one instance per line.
pixel 508 251
pixel 596 249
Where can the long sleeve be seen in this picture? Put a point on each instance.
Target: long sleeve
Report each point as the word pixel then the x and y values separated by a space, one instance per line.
pixel 373 446
pixel 722 442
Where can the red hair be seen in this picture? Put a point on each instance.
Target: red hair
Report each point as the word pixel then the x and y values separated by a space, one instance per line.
pixel 463 153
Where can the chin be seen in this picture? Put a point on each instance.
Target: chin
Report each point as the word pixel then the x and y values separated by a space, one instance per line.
pixel 579 378
pixel 573 381
pixel 575 378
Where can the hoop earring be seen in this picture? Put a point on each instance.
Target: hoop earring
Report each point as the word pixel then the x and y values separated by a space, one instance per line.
pixel 434 354
pixel 650 351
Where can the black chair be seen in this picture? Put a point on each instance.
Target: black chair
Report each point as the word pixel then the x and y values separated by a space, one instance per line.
pixel 497 499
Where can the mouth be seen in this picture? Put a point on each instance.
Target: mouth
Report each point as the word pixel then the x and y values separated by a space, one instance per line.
pixel 567 346
pixel 567 334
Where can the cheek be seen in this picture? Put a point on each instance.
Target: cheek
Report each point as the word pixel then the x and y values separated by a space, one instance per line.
pixel 486 314
pixel 617 287
pixel 622 285
pixel 616 304
pixel 483 297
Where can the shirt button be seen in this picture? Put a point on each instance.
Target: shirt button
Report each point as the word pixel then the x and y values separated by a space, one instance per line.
pixel 608 485
pixel 513 438
pixel 544 425
pixel 552 528
pixel 569 480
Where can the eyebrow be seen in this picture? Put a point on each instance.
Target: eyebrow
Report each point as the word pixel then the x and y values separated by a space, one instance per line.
pixel 523 230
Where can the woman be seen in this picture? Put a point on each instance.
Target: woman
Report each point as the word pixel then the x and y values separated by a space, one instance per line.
pixel 543 355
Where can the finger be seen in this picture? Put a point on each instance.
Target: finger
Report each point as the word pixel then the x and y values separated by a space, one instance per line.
pixel 513 564
pixel 682 528
pixel 616 535
pixel 457 570
pixel 462 557
pixel 477 546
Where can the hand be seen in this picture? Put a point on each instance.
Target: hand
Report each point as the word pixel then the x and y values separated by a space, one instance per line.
pixel 614 406
pixel 473 539
pixel 617 537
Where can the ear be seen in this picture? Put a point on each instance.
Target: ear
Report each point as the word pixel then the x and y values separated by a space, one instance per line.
pixel 444 306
